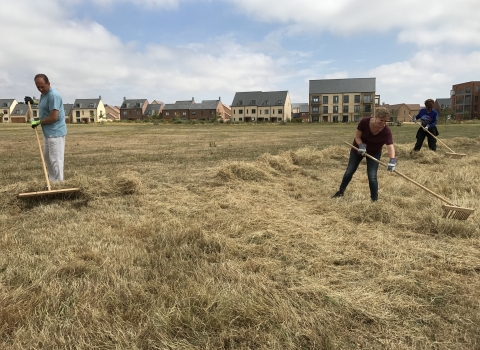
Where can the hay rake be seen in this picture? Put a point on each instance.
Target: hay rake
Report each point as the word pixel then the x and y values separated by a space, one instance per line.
pixel 450 211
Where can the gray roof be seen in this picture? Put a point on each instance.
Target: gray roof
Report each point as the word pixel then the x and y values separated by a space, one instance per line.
pixel 444 101
pixel 86 103
pixel 67 107
pixel 273 98
pixel 20 109
pixel 153 109
pixel 305 108
pixel 179 105
pixel 250 98
pixel 259 98
pixel 133 103
pixel 332 86
pixel 206 104
pixel 6 102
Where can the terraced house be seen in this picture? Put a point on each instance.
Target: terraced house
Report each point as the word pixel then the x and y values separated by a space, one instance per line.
pixel 342 100
pixel 6 108
pixel 258 106
pixel 133 109
pixel 189 110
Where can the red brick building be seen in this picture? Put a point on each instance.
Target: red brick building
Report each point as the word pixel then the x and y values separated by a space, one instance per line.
pixel 465 100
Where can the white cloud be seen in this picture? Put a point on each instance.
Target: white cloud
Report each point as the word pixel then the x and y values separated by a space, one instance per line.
pixel 426 22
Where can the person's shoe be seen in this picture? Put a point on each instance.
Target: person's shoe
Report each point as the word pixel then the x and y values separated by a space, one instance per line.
pixel 374 200
pixel 338 194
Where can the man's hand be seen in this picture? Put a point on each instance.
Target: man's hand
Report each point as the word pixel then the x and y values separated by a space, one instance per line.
pixel 362 149
pixel 391 164
pixel 35 123
pixel 31 100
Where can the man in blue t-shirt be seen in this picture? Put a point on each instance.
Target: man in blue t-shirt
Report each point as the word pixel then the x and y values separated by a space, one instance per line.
pixel 52 120
pixel 428 116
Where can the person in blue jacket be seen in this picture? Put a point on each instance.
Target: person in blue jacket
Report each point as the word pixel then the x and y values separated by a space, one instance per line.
pixel 52 120
pixel 428 117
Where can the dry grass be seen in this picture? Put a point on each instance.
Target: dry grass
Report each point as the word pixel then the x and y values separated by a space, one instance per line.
pixel 174 244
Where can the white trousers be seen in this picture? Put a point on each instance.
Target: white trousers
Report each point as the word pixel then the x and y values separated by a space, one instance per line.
pixel 53 152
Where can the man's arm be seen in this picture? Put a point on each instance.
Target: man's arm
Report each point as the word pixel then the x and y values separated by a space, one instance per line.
pixel 358 137
pixel 52 117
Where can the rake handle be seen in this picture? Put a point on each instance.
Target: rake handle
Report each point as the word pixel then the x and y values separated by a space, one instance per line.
pixel 404 176
pixel 433 136
pixel 41 153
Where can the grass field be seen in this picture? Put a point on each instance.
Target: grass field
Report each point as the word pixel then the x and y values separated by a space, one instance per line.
pixel 226 237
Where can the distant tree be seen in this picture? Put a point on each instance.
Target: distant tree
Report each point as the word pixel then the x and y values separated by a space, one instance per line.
pixel 444 114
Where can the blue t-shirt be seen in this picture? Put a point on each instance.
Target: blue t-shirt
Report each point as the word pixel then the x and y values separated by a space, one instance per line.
pixel 427 118
pixel 49 102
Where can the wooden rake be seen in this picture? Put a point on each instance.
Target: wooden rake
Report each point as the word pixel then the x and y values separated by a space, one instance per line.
pixel 450 211
pixel 49 190
pixel 451 154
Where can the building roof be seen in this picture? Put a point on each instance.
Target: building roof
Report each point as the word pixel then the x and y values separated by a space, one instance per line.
pixel 249 98
pixel 332 86
pixel 20 109
pixel 138 103
pixel 179 105
pixel 6 102
pixel 205 104
pixel 67 107
pixel 444 101
pixel 259 98
pixel 153 109
pixel 86 103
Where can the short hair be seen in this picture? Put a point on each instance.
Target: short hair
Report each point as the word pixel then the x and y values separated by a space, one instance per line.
pixel 43 76
pixel 429 101
pixel 382 112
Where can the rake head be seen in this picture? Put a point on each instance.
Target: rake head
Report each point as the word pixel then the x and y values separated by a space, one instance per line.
pixel 454 155
pixel 454 212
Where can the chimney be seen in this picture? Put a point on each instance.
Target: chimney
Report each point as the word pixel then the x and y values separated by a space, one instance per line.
pixel 219 98
pixel 124 98
pixel 100 97
pixel 193 100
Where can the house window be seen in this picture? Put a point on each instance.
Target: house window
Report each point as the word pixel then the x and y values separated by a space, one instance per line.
pixel 325 99
pixel 254 110
pixel 314 109
pixel 193 112
pixel 335 118
pixel 266 111
pixel 356 118
pixel 91 105
pixel 367 99
pixel 167 113
pixel 280 111
pixel 260 111
pixel 357 99
pixel 280 102
pixel 78 120
pixel 315 99
pixel 345 109
pixel 476 98
pixel 367 109
pixel 253 103
pixel 253 119
pixel 5 112
pixel 246 112
pixel 325 109
pixel 356 108
pixel 279 119
pixel 240 112
pixel 475 108
pixel 211 112
pixel 184 113
pixel 266 103
pixel 335 99
pixel 240 103
pixel 335 109
pixel 34 113
pixel 5 119
pixel 138 112
pixel 240 119
pixel 345 98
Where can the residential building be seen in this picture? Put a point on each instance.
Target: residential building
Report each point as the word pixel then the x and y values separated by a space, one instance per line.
pixel 210 110
pixel 403 112
pixel 179 109
pixel 342 100
pixel 133 109
pixel 153 109
pixel 6 109
pixel 87 110
pixel 20 113
pixel 112 112
pixel 465 100
pixel 301 111
pixel 258 106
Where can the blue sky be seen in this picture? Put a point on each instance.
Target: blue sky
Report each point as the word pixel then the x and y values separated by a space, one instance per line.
pixel 172 50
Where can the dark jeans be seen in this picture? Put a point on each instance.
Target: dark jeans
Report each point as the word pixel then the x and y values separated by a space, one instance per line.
pixel 372 168
pixel 432 142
